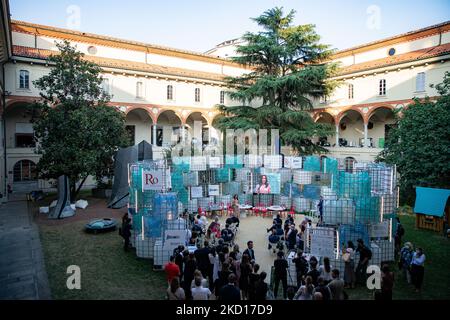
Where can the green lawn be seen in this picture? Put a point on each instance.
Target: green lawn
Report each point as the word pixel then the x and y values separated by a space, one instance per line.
pixel 437 279
pixel 109 273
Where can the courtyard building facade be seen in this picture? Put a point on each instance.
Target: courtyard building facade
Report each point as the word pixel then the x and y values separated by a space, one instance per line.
pixel 157 87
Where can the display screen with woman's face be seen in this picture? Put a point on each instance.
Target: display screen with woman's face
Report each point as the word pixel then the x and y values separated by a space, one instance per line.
pixel 263 186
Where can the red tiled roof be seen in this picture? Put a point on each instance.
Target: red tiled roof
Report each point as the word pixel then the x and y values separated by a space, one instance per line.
pixel 123 64
pixel 397 59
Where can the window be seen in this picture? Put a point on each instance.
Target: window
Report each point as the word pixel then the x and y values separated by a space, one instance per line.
pixel 222 97
pixel 92 50
pixel 169 92
pixel 25 140
pixel 131 130
pixel 105 86
pixel 382 88
pixel 349 163
pixel 25 170
pixel 197 94
pixel 139 89
pixel 350 91
pixel 24 79
pixel 420 82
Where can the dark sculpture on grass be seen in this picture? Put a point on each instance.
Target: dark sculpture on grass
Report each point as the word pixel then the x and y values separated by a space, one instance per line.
pixel 125 156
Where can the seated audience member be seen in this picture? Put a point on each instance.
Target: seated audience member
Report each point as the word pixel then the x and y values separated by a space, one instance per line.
pixel 230 292
pixel 215 227
pixel 336 286
pixel 226 234
pixel 273 241
pixel 175 292
pixel 233 219
pixel 199 292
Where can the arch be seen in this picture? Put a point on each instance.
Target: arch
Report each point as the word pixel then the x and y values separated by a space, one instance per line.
pixel 325 116
pixel 343 112
pixel 168 117
pixel 351 128
pixel 380 122
pixel 24 170
pixel 138 122
pixel 383 107
pixel 196 116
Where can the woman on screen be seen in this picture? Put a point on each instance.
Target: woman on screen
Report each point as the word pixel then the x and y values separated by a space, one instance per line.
pixel 264 187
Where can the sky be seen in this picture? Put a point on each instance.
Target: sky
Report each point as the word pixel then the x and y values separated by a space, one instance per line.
pixel 199 25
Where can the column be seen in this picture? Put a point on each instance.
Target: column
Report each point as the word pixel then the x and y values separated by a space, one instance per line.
pixel 154 135
pixel 182 132
pixel 366 142
pixel 337 135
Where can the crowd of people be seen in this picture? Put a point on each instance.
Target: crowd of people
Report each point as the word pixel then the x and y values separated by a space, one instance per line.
pixel 217 269
pixel 219 272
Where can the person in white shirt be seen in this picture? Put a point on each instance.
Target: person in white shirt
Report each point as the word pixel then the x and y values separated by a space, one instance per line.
pixel 199 292
pixel 417 268
pixel 325 270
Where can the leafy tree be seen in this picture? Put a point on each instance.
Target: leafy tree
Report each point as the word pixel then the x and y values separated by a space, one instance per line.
pixel 288 69
pixel 77 132
pixel 420 144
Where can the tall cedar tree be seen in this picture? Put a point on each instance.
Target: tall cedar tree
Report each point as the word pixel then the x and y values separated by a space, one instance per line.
pixel 77 132
pixel 288 69
pixel 420 143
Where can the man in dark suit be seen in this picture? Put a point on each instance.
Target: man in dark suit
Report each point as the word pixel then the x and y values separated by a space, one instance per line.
pixel 230 292
pixel 203 259
pixel 250 252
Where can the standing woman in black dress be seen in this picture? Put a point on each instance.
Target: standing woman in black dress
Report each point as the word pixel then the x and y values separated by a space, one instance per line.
pixel 246 269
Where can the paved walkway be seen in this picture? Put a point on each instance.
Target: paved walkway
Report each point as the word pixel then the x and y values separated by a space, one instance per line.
pixel 22 268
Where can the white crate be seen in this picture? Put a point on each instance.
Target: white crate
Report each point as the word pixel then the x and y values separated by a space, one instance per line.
pixel 340 211
pixel 327 193
pixel 387 250
pixel 301 204
pixel 302 177
pixel 190 179
pixel 198 163
pixel 192 205
pixel 224 200
pixel 273 162
pixel 285 175
pixel 144 247
pixel 161 256
pixel 205 203
pixel 283 201
pixel 293 162
pixel 253 161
